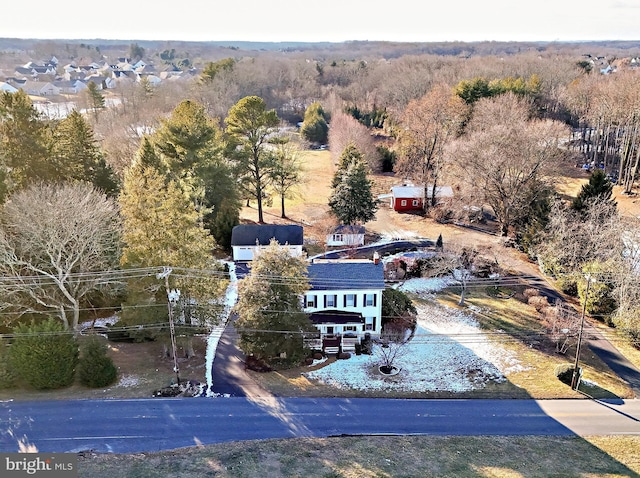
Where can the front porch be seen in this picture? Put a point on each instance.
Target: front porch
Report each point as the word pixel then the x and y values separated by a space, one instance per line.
pixel 335 343
pixel 339 331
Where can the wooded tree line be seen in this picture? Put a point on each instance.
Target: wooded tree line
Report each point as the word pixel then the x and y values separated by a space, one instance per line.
pixel 69 223
pixel 172 173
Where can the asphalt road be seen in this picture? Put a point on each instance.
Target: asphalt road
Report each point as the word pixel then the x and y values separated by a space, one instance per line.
pixel 129 426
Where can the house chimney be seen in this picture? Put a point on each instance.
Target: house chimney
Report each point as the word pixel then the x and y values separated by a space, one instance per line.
pixel 376 258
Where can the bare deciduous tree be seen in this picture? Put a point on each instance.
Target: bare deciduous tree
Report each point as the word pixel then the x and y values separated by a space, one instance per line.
pixel 391 345
pixel 426 127
pixel 562 325
pixel 572 240
pixel 609 114
pixel 507 158
pixel 287 173
pixel 56 243
pixel 345 130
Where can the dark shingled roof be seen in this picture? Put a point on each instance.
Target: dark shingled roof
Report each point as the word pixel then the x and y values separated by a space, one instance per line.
pixel 336 317
pixel 349 229
pixel 346 275
pixel 246 234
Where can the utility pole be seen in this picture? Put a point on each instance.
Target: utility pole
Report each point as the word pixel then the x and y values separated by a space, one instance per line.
pixel 575 379
pixel 172 298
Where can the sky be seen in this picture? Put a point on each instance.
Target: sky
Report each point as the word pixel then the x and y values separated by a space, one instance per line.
pixel 329 20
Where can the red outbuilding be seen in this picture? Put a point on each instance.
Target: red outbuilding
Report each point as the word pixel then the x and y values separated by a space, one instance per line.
pixel 407 198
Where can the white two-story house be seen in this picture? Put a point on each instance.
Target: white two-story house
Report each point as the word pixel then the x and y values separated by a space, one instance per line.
pixel 345 301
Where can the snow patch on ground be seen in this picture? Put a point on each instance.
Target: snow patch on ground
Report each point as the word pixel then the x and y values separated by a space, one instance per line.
pixel 391 235
pixel 128 381
pixel 103 322
pixel 427 284
pixel 449 352
pixel 318 361
pixel 589 383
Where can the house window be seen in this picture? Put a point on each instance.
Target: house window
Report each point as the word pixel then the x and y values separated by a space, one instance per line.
pixel 415 202
pixel 370 300
pixel 311 301
pixel 370 323
pixel 350 300
pixel 330 300
pixel 330 330
pixel 349 328
pixel 337 238
pixel 403 202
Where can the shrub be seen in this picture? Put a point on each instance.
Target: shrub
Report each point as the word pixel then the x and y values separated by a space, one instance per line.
pixel 539 302
pixel 7 378
pixel 529 292
pixel 44 354
pixel 564 372
pixel 388 159
pixel 366 346
pixel 568 285
pixel 253 363
pixel 95 368
pixel 344 356
pixel 314 126
pixel 627 320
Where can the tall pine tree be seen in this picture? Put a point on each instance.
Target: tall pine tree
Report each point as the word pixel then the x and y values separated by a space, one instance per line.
pixel 250 127
pixel 352 200
pixel 161 227
pixel 24 143
pixel 188 148
pixel 76 155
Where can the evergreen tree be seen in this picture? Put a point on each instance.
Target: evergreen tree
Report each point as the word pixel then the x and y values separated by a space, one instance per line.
pixel 352 200
pixel 227 217
pixel 24 143
pixel 251 127
pixel 76 155
pixel 473 90
pixel 314 126
pixel 7 377
pixel 44 355
pixel 599 188
pixel 222 200
pixel 161 227
pixel 136 52
pixel 271 321
pixel 188 148
pixel 95 367
pixel 349 155
pixel 212 69
pixel 186 139
pixel 396 304
pixel 95 99
pixel 148 157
